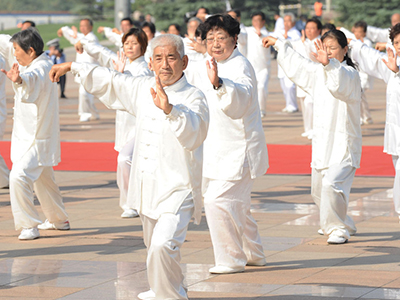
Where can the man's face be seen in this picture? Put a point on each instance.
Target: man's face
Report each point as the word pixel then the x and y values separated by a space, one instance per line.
pixel 287 21
pixel 312 31
pixel 219 44
pixel 359 33
pixel 172 30
pixel 258 22
pixel 395 19
pixel 167 64
pixel 25 26
pixel 22 57
pixel 148 32
pixel 125 26
pixel 85 27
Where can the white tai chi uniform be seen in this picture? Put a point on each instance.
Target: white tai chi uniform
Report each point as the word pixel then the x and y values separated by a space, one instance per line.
pixel 370 61
pixel 86 109
pixel 124 121
pixel 288 87
pixel 235 153
pixel 4 172
pixel 366 82
pixel 35 146
pixel 378 35
pixel 260 59
pixel 336 144
pixel 196 59
pixel 242 40
pixel 113 37
pixel 166 165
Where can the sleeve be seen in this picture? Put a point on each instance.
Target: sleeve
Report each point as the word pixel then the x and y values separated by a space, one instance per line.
pixel 343 82
pixel 31 86
pixel 369 60
pixel 300 70
pixel 190 121
pixel 376 34
pixel 116 90
pixel 6 49
pixel 3 78
pixel 100 53
pixel 348 33
pixel 113 37
pixel 68 34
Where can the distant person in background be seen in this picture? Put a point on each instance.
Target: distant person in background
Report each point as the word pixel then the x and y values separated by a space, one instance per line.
pixel 380 36
pixel 327 27
pixel 279 26
pixel 26 24
pixel 113 34
pixel 202 13
pixel 242 38
pixel 57 57
pixel 174 29
pixel 87 110
pixel 318 9
pixel 301 23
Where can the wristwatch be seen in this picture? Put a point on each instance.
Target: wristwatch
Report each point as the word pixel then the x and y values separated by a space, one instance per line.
pixel 220 82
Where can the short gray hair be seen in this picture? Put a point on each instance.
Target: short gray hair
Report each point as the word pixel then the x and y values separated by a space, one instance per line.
pixel 168 39
pixel 292 16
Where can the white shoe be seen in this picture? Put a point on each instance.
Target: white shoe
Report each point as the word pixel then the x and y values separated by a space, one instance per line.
pixel 130 213
pixel 29 234
pixel 333 239
pixel 285 109
pixel 147 295
pixel 54 226
pixel 292 110
pixel 320 231
pixel 305 134
pixel 259 262
pixel 85 117
pixel 225 270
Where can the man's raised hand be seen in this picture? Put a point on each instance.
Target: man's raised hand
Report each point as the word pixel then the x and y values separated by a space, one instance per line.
pixel 160 98
pixel 269 41
pixel 59 70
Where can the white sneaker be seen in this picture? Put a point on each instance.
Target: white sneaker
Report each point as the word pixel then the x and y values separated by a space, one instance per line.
pixel 147 295
pixel 29 234
pixel 333 239
pixel 130 213
pixel 320 231
pixel 85 117
pixel 54 226
pixel 225 270
pixel 259 262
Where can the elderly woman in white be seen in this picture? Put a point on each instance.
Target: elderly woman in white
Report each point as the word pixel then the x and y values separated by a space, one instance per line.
pixel 35 141
pixel 235 151
pixel 386 67
pixel 335 86
pixel 171 125
pixel 131 60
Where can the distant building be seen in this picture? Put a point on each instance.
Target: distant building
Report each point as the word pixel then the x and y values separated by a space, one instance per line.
pixel 9 20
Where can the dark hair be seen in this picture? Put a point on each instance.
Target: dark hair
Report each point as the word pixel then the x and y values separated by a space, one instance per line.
pixel 177 27
pixel 258 13
pixel 342 40
pixel 236 11
pixel 202 7
pixel 127 19
pixel 361 24
pixel 29 38
pixel 394 31
pixel 316 21
pixel 150 25
pixel 225 22
pixel 89 20
pixel 328 26
pixel 199 30
pixel 141 38
pixel 33 24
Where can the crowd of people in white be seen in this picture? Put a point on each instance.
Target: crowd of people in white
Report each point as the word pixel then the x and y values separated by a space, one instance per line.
pixel 189 125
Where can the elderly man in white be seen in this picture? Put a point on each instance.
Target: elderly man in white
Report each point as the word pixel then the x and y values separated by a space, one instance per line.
pixel 87 110
pixel 35 141
pixel 235 151
pixel 113 34
pixel 171 125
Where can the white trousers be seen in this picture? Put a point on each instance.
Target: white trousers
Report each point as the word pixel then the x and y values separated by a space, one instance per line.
pixel 163 239
pixel 330 189
pixel 262 88
pixel 123 172
pixel 307 108
pixel 364 108
pixel 4 173
pixel 396 185
pixel 289 92
pixel 233 230
pixel 86 103
pixel 26 175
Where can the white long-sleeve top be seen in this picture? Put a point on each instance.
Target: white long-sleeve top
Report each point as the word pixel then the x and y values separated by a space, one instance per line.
pixel 3 104
pixel 196 60
pixel 378 35
pixel 336 91
pixel 242 40
pixel 36 119
pixel 257 54
pixel 124 121
pixel 113 37
pixel 80 57
pixel 370 61
pixel 167 161
pixel 7 51
pixel 235 137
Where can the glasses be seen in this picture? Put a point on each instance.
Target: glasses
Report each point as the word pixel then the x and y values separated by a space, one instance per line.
pixel 220 40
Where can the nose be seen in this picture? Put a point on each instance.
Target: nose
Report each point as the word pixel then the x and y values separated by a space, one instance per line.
pixel 164 63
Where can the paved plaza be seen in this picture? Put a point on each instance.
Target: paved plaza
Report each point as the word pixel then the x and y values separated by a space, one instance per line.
pixel 103 256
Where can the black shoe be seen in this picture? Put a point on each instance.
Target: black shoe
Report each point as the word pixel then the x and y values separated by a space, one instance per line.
pixel 63 96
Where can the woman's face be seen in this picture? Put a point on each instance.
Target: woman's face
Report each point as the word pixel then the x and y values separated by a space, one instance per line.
pixel 219 44
pixel 396 44
pixel 23 58
pixel 132 48
pixel 334 49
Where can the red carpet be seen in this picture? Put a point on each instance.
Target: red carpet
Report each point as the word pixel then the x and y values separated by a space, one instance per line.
pixel 283 159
